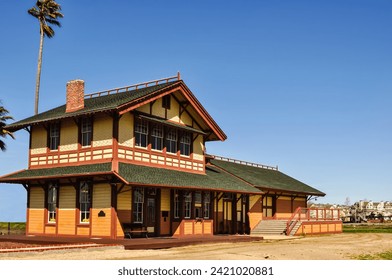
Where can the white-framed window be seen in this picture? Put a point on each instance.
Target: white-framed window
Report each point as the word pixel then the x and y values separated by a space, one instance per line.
pixel 138 203
pixel 206 205
pixel 157 137
pixel 54 136
pixel 52 202
pixel 185 144
pixel 84 201
pixel 171 141
pixel 141 133
pixel 86 131
pixel 188 205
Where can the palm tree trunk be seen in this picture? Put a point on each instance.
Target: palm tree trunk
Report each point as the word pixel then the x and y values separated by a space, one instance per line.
pixel 38 79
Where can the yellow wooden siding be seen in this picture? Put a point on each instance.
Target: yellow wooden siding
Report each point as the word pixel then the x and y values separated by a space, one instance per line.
pixel 67 197
pixel 36 221
pixel 125 133
pixel 68 136
pixel 102 131
pixel 144 109
pixel 38 140
pixel 66 221
pixel 165 200
pixel 157 109
pixel 124 199
pixel 101 226
pixel 102 196
pixel 198 148
pixel 37 198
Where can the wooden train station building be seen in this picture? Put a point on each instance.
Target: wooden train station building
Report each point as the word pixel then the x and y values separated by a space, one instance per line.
pixel 106 163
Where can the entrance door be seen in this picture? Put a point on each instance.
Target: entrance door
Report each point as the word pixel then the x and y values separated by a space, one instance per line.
pixel 145 206
pixel 228 213
pixel 151 217
pixel 268 206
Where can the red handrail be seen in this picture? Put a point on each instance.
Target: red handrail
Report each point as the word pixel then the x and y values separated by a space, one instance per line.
pixel 311 214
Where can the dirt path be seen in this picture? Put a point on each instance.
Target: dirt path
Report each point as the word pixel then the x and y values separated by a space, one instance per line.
pixel 331 247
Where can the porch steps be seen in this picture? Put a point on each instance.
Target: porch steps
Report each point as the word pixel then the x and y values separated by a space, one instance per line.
pixel 270 227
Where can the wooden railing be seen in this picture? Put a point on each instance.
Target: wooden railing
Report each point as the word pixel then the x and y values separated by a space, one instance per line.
pixel 311 214
pixel 244 162
pixel 134 87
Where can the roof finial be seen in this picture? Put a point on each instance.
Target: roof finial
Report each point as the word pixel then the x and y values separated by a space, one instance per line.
pixel 178 75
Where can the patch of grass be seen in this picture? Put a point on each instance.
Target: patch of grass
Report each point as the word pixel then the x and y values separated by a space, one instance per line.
pixel 380 256
pixel 367 228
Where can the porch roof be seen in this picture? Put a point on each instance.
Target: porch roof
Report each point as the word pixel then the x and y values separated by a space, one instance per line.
pixel 266 179
pixel 26 175
pixel 214 179
pixel 132 174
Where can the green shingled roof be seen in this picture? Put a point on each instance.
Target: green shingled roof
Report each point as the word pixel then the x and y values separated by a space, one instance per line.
pixel 214 179
pixel 50 173
pixel 91 105
pixel 266 179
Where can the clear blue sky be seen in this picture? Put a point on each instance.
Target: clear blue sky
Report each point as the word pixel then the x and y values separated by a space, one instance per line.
pixel 305 85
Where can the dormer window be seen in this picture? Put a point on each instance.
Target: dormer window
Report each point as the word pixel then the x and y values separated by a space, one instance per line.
pixel 54 136
pixel 86 131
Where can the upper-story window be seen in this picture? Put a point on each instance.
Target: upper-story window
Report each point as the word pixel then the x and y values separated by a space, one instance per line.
pixel 157 137
pixel 141 133
pixel 54 136
pixel 86 131
pixel 185 144
pixel 171 141
pixel 52 202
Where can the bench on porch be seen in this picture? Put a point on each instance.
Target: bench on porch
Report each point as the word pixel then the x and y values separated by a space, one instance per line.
pixel 134 229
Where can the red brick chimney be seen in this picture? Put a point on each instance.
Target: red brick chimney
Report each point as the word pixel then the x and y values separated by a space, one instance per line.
pixel 75 96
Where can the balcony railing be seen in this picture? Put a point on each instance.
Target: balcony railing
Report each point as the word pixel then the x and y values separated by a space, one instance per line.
pixel 244 162
pixel 134 87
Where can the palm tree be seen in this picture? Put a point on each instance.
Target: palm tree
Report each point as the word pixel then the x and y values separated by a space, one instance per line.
pixel 3 132
pixel 47 12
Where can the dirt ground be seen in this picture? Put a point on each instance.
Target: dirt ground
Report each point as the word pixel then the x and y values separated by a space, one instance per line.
pixel 329 247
